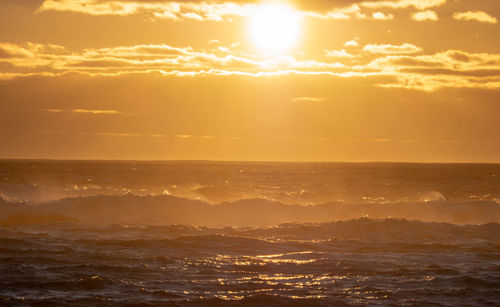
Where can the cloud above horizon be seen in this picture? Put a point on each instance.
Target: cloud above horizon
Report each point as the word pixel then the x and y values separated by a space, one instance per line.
pixel 132 78
pixel 225 10
pixel 425 15
pixel 84 111
pixel 479 16
pixel 405 62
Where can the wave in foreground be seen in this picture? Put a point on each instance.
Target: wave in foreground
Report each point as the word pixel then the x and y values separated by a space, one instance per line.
pixel 166 209
pixel 345 263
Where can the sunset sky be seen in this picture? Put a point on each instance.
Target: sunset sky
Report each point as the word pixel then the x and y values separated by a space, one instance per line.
pixel 303 80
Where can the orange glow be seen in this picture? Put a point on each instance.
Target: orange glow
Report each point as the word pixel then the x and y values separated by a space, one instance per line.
pixel 291 80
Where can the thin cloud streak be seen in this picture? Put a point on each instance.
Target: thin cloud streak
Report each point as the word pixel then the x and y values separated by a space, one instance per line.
pixel 392 49
pixel 479 16
pixel 84 111
pixel 309 99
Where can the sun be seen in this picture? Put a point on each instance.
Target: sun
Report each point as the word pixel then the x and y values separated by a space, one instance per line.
pixel 274 27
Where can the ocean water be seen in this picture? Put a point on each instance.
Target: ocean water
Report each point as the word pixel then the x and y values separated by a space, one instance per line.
pixel 86 233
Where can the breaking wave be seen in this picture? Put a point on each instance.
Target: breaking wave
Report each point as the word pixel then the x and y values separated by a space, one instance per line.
pixel 128 233
pixel 166 209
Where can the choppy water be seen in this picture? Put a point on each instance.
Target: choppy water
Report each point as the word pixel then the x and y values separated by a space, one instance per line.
pixel 188 233
pixel 358 262
pixel 216 182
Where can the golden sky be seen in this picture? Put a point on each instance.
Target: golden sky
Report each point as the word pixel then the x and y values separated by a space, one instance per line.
pixel 307 80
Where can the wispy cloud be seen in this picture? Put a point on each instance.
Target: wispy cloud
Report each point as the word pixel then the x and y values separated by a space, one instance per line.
pixel 382 16
pixel 392 49
pixel 425 15
pixel 358 9
pixel 338 54
pixel 173 10
pixel 95 111
pixel 154 58
pixel 406 64
pixel 184 136
pixel 451 68
pixel 476 16
pixel 162 136
pixel 352 43
pixel 83 111
pixel 224 11
pixel 309 99
pixel 398 4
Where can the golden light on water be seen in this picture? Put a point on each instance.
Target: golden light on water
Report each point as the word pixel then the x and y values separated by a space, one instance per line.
pixel 250 152
pixel 274 27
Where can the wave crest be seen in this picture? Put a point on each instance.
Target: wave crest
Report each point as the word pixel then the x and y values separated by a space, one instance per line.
pixel 167 209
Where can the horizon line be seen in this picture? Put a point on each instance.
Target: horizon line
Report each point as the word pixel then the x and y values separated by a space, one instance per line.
pixel 246 161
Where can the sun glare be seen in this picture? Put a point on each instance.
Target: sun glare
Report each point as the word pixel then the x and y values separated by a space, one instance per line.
pixel 274 27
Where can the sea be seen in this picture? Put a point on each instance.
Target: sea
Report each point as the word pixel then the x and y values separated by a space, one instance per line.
pixel 203 233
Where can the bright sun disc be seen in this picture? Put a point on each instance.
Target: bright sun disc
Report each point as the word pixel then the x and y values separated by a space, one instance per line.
pixel 274 27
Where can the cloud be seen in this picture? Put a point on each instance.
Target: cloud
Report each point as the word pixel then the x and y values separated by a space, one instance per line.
pixel 309 99
pixel 219 10
pixel 352 43
pixel 476 16
pixel 160 50
pixel 95 111
pixel 139 58
pixel 392 49
pixel 343 13
pixel 418 4
pixel 431 83
pixel 93 7
pixel 425 15
pixel 84 111
pixel 183 136
pixel 12 51
pixel 6 76
pixel 382 16
pixel 450 60
pixel 160 135
pixel 364 140
pixel 355 9
pixel 451 68
pixel 397 65
pixel 26 54
pixel 173 10
pixel 338 54
pixel 114 134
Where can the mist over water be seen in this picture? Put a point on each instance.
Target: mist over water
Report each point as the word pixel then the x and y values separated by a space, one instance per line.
pixel 216 182
pixel 186 233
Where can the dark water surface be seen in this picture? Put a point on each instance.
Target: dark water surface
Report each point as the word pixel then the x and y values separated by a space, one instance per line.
pixel 189 233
